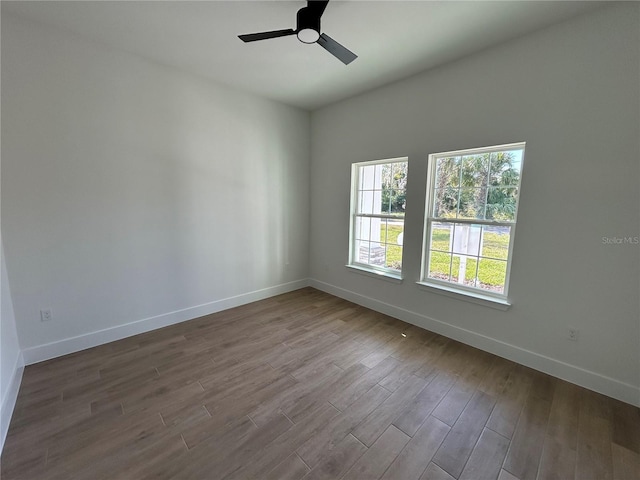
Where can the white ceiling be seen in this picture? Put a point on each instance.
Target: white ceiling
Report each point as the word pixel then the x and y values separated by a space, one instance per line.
pixel 393 39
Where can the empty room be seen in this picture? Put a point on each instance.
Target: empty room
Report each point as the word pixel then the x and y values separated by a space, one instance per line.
pixel 340 239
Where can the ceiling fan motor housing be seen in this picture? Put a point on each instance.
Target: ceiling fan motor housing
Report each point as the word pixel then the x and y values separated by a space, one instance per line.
pixel 308 20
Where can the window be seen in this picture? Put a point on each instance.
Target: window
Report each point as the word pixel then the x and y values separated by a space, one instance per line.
pixel 378 191
pixel 470 219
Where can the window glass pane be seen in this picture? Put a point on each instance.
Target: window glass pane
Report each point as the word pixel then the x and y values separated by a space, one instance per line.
pixel 475 170
pixel 377 181
pixel 502 203
pixel 376 254
pixel 370 202
pixel 447 172
pixel 472 203
pixel 363 227
pixel 445 203
pixel 383 231
pixel 440 265
pixel 491 275
pixel 393 188
pixel 367 177
pixel 387 199
pixel 393 230
pixel 393 258
pixel 466 239
pixel 495 242
pixel 377 232
pixel 463 267
pixel 506 167
pixel 441 236
pixel 377 202
pixel 362 251
pixel 397 202
pixel 386 175
pixel 365 203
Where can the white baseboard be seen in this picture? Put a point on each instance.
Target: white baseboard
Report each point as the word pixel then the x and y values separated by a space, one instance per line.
pixel 571 373
pixel 47 351
pixel 9 400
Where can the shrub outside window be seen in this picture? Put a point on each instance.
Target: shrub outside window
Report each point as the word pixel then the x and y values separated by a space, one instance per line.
pixel 470 219
pixel 378 204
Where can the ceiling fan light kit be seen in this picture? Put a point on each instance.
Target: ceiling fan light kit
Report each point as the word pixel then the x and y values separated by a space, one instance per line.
pixel 308 31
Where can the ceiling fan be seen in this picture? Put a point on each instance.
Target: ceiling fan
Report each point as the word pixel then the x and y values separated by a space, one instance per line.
pixel 308 31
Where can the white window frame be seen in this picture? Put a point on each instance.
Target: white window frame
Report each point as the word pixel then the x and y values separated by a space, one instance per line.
pixel 389 273
pixel 474 294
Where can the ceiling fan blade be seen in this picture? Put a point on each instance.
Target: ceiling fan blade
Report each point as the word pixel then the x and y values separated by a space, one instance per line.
pixel 317 6
pixel 253 37
pixel 343 54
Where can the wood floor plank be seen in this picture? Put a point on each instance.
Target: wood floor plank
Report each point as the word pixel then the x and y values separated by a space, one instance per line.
pixel 235 456
pixel 159 449
pixel 594 457
pixel 204 456
pixel 379 420
pixel 95 458
pixel 216 427
pixel 158 458
pixel 275 451
pixel 416 455
pixel 433 350
pixel 626 425
pixel 526 446
pixel 459 443
pixel 497 376
pixel 626 464
pixel 382 352
pixel 454 402
pixel 320 395
pixel 40 434
pixel 291 468
pixel 504 475
pixel 307 385
pixel 434 472
pixel 487 457
pixel 399 375
pixel 253 444
pixel 340 426
pixel 558 459
pixel 504 417
pixel 287 399
pixel 341 400
pixel 381 454
pixel 410 420
pixel 92 439
pixel 21 463
pixel 336 462
pixel 221 408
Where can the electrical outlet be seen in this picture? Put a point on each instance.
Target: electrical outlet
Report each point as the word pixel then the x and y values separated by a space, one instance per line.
pixel 573 334
pixel 46 315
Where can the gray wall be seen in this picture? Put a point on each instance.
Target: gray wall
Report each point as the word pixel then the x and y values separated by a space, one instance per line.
pixel 572 93
pixel 132 191
pixel 11 362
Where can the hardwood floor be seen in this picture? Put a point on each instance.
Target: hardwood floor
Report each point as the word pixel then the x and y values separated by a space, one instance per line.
pixel 306 385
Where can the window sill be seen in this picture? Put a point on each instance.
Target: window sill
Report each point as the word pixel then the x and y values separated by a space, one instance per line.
pixel 390 277
pixel 472 297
